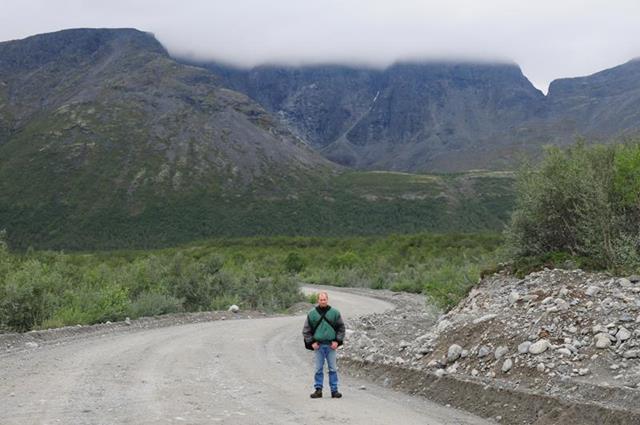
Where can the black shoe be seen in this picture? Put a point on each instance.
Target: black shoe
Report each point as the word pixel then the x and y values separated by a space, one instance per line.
pixel 336 394
pixel 316 394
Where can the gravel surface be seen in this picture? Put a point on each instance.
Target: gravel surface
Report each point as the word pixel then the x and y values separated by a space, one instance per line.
pixel 223 371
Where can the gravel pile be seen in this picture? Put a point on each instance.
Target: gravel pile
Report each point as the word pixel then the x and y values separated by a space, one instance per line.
pixel 556 332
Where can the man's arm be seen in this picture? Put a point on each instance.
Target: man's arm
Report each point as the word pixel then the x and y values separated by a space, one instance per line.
pixel 340 330
pixel 307 332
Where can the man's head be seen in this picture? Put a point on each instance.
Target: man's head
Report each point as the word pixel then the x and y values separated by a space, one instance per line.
pixel 323 299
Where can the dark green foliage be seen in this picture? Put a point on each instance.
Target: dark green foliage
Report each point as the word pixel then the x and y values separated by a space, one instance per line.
pixel 294 263
pixel 42 289
pixel 583 202
pixel 349 204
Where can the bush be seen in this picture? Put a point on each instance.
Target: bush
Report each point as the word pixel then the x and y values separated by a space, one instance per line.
pixel 294 262
pixel 345 260
pixel 29 295
pixel 578 202
pixel 154 304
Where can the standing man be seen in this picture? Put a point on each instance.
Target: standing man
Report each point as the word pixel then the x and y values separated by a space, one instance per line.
pixel 324 332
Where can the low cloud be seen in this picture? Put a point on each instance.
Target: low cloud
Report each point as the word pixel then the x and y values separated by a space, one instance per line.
pixel 548 39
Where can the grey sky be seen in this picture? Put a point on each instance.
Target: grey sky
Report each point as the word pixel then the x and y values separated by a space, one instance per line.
pixel 548 38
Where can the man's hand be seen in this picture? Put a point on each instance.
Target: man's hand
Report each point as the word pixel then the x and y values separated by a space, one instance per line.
pixel 334 345
pixel 315 345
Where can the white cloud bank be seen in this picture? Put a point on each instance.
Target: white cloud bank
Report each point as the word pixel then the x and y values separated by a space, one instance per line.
pixel 548 39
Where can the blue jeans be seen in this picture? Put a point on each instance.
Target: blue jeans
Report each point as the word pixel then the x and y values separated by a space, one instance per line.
pixel 322 353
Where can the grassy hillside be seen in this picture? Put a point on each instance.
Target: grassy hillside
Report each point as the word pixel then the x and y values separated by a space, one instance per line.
pixel 351 203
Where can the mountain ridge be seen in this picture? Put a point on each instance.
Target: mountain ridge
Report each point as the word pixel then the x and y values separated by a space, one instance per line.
pixel 432 123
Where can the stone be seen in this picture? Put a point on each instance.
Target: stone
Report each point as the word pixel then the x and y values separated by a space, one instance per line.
pixel 541 367
pixel 631 354
pixel 484 318
pixel 514 297
pixel 474 372
pixel 561 304
pixel 539 347
pixel 454 353
pixel 484 351
pixel 623 334
pixel 440 373
pixel 592 290
pixel 624 282
pixel 234 308
pixel 127 321
pixel 583 371
pixel 433 363
pixel 524 347
pixel 564 351
pixel 602 340
pixel 634 278
pixel 31 344
pixel 443 325
pixel 500 352
pixel 598 329
pixel 507 365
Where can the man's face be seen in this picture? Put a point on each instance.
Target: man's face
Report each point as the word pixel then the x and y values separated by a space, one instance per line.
pixel 323 300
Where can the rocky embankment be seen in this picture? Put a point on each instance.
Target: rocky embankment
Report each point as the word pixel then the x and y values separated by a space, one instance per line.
pixel 559 346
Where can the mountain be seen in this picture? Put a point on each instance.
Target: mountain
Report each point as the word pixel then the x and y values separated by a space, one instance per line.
pixel 100 121
pixel 108 142
pixel 598 106
pixel 440 116
pixel 409 117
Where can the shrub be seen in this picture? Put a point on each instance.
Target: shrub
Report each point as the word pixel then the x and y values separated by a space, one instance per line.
pixel 294 262
pixel 345 260
pixel 29 295
pixel 578 202
pixel 153 304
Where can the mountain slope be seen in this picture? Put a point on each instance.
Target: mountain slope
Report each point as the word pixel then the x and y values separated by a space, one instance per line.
pixel 601 105
pixel 440 116
pixel 410 116
pixel 104 120
pixel 107 142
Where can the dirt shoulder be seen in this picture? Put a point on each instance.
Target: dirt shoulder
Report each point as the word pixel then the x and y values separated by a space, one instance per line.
pixel 558 346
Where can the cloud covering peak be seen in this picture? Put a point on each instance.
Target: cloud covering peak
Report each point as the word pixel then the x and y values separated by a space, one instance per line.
pixel 548 39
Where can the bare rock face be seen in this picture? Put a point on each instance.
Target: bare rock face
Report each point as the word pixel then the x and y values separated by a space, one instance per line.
pixel 438 116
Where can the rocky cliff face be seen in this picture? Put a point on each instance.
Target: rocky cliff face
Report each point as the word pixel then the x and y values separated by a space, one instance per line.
pixel 598 106
pixel 411 116
pixel 440 116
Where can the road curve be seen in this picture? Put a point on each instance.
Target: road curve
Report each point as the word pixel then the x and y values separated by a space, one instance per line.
pixel 233 372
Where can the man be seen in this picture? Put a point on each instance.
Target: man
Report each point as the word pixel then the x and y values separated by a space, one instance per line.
pixel 323 332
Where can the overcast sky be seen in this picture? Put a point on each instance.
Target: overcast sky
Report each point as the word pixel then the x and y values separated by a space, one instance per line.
pixel 548 38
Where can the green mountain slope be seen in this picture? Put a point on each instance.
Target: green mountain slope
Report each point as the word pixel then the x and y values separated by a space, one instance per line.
pixel 107 142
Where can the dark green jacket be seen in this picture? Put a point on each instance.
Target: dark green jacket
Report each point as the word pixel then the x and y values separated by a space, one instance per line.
pixel 324 333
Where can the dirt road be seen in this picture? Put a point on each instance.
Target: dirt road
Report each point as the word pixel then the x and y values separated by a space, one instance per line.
pixel 234 372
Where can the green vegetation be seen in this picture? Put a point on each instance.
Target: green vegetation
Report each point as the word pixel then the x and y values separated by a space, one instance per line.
pixel 580 205
pixel 42 290
pixel 45 289
pixel 349 204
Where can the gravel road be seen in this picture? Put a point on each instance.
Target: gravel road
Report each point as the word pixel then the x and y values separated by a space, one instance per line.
pixel 234 372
